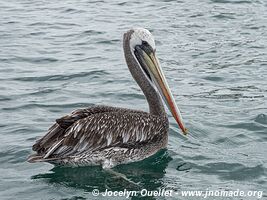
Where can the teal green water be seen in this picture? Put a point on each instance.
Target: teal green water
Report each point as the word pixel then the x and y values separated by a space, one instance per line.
pixel 57 56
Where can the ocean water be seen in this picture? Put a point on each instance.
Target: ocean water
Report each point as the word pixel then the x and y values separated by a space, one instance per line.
pixel 57 56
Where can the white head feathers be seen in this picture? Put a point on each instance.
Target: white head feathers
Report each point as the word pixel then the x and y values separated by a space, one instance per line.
pixel 139 35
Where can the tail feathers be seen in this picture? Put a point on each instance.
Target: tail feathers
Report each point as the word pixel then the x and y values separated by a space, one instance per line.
pixel 45 142
pixel 37 158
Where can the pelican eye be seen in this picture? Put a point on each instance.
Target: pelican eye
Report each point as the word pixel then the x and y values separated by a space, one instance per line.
pixel 145 42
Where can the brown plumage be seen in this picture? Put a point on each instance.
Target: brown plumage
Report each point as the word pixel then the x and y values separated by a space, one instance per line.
pixel 98 129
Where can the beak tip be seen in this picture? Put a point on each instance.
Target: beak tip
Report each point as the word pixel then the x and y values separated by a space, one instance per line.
pixel 185 131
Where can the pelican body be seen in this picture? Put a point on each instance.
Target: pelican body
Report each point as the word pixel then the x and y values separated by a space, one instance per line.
pixel 109 136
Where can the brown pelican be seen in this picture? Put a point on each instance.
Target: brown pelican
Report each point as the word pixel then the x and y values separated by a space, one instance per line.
pixel 108 136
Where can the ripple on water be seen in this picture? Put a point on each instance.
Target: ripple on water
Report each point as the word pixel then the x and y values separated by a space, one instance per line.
pixel 35 60
pixel 91 32
pixel 61 77
pixel 231 93
pixel 250 126
pixel 261 118
pixel 213 78
pixel 48 106
pixel 72 10
pixel 232 171
pixel 231 1
pixel 223 16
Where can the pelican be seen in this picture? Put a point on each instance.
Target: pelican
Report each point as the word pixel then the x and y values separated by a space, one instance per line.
pixel 109 136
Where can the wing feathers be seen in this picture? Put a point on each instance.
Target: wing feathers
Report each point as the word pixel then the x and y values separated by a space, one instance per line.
pixel 83 131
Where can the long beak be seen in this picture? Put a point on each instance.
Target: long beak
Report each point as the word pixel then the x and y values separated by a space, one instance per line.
pixel 160 82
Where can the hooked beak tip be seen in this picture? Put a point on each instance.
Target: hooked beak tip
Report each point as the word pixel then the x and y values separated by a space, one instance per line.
pixel 185 131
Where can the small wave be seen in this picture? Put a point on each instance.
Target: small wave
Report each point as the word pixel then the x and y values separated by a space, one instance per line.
pixel 4 98
pixel 72 10
pixel 61 77
pixel 40 24
pixel 108 41
pixel 88 58
pixel 92 32
pixel 247 126
pixel 37 105
pixel 261 119
pixel 35 60
pixel 232 1
pixel 13 155
pixel 223 16
pixel 183 167
pixel 232 171
pixel 213 78
pixel 228 142
pixel 197 15
pixel 38 33
pixel 227 93
pixel 42 91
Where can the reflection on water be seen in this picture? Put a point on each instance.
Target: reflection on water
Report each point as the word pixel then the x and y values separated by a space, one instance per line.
pixel 146 174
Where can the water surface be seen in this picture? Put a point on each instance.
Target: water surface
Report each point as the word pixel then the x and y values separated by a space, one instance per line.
pixel 57 56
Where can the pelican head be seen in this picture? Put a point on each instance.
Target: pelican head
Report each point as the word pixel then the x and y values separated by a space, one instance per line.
pixel 142 48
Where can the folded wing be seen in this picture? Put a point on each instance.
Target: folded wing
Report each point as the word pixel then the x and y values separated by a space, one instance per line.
pixel 93 130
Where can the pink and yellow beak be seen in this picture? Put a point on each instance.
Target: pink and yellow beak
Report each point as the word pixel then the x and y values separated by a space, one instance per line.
pixel 160 82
